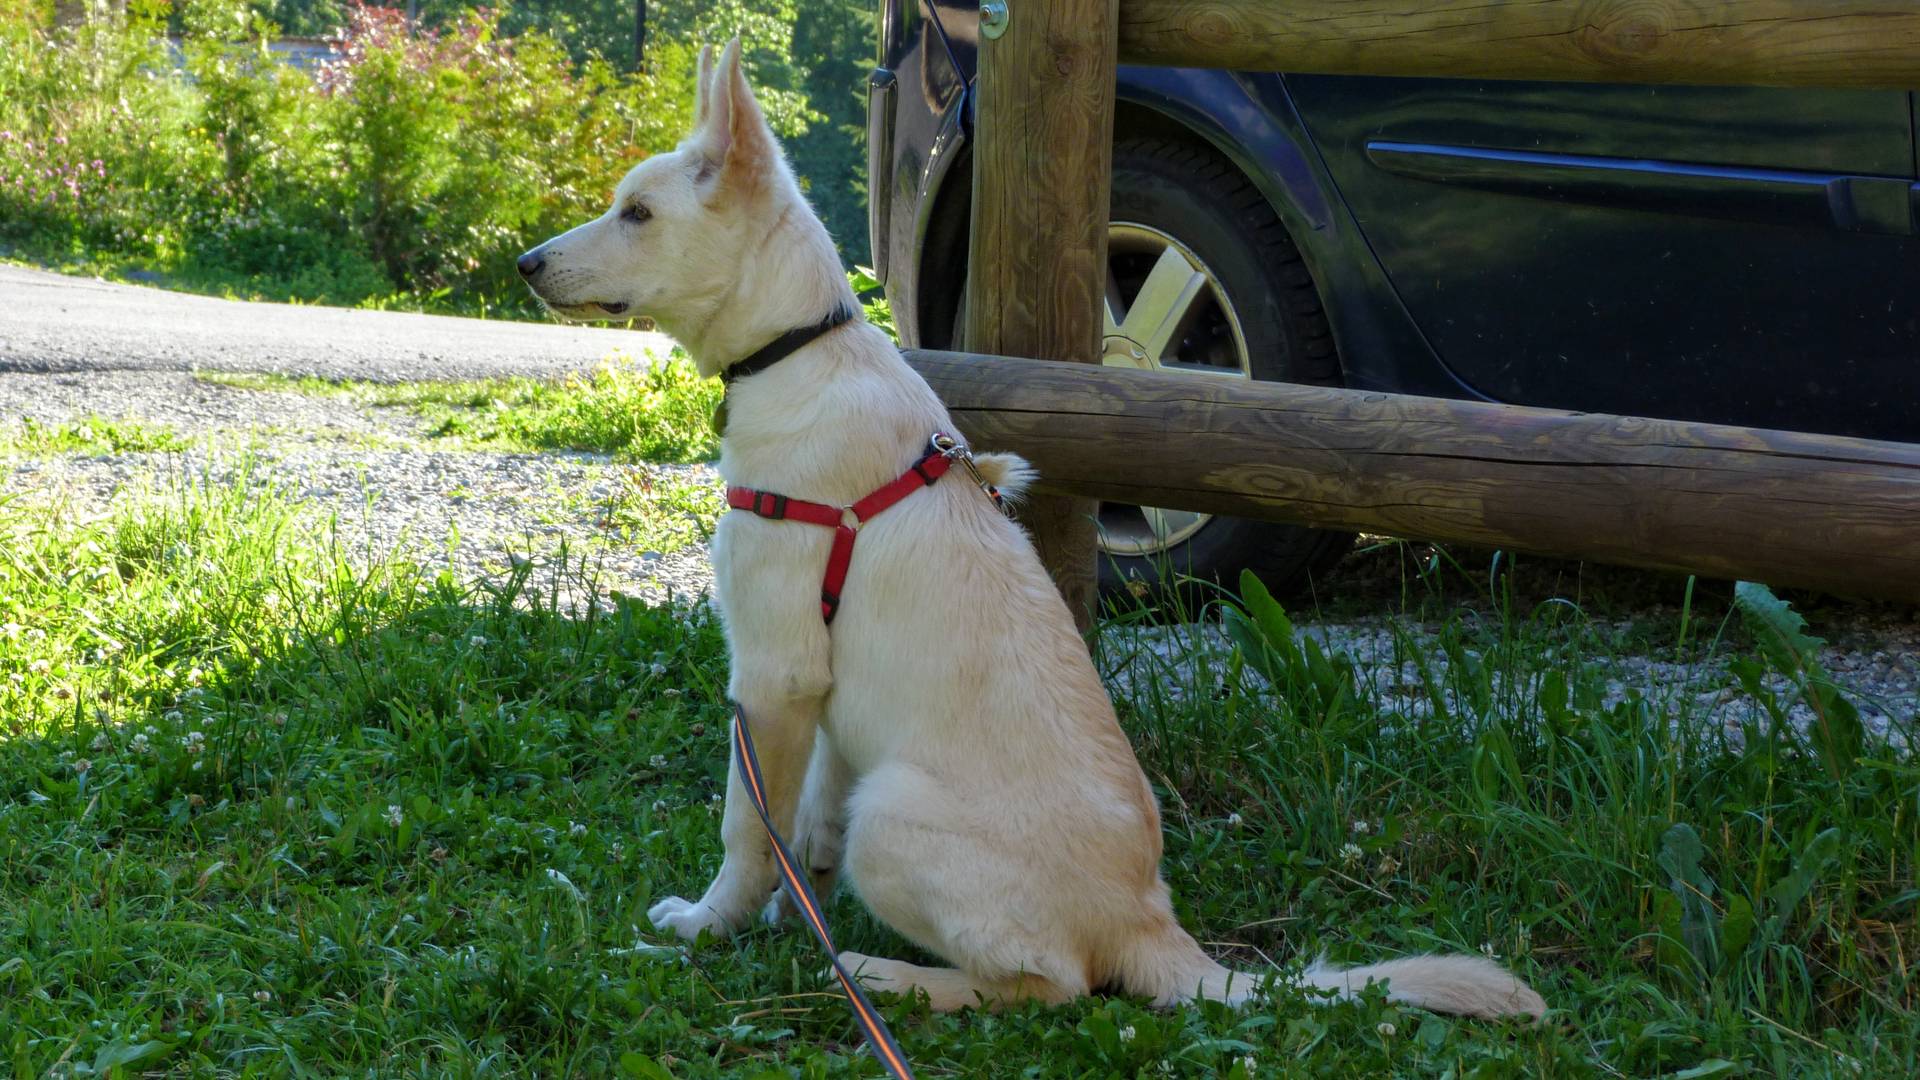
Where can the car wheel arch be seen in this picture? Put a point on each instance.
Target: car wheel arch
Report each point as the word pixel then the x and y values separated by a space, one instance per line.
pixel 943 253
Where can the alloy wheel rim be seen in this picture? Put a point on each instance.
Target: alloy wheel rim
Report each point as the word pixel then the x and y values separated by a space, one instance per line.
pixel 1165 310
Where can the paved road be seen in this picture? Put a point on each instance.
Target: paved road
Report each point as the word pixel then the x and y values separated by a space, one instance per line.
pixel 54 323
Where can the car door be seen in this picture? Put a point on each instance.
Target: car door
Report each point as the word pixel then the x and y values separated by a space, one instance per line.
pixel 1734 255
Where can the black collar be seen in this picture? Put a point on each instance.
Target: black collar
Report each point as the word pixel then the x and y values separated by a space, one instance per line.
pixel 783 346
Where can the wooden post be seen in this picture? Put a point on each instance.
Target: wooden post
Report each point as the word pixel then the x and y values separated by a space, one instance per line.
pixel 1042 164
pixel 1782 507
pixel 1838 43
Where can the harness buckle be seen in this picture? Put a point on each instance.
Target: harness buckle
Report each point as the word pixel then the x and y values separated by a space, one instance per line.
pixel 849 519
pixel 954 450
pixel 769 505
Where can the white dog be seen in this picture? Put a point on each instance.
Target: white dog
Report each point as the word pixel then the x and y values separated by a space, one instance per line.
pixel 947 738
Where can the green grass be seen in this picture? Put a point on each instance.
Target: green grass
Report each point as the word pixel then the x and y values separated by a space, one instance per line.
pixel 646 508
pixel 267 811
pixel 636 411
pixel 93 435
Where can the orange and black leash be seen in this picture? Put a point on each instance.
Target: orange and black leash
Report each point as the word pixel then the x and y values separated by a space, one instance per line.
pixel 874 1028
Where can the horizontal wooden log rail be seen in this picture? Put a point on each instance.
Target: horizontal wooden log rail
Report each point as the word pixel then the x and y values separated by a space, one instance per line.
pixel 1786 508
pixel 1838 43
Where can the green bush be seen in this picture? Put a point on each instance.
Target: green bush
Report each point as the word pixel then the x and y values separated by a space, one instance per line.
pixel 410 167
pixel 95 144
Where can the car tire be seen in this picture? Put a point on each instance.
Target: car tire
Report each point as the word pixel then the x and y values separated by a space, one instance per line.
pixel 1201 200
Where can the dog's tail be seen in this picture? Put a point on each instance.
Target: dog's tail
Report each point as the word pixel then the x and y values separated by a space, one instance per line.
pixel 1172 968
pixel 1010 473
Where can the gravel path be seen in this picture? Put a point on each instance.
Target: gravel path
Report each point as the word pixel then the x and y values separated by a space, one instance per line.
pixel 55 323
pixel 70 348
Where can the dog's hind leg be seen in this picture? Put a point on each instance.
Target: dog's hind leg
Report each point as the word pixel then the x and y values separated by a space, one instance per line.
pixel 819 825
pixel 935 867
pixel 948 989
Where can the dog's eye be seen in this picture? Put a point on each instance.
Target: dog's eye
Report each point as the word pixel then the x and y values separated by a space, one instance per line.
pixel 635 213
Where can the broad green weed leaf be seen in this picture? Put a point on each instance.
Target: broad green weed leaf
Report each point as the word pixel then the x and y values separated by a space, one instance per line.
pixel 125 1054
pixel 1680 855
pixel 1271 618
pixel 1777 628
pixel 1787 893
pixel 1736 928
pixel 643 1067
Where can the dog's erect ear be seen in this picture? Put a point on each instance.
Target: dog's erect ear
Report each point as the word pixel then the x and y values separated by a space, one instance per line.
pixel 702 86
pixel 736 145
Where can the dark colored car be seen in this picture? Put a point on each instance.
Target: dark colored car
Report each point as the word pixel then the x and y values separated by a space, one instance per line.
pixel 1734 255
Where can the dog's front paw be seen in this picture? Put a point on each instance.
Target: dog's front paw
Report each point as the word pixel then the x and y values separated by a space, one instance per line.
pixel 687 918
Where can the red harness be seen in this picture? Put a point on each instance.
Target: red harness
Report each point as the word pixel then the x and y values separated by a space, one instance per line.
pixel 845 521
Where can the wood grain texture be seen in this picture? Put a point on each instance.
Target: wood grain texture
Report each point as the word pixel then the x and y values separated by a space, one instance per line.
pixel 1042 166
pixel 1780 507
pixel 1839 43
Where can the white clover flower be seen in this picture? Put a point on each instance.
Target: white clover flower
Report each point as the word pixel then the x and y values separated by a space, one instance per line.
pixel 659 805
pixel 657 761
pixel 82 766
pixel 477 641
pixel 1385 1029
pixel 100 742
pixel 36 634
pixel 574 828
pixel 394 816
pixel 262 996
pixel 10 630
pixel 1234 821
pixel 1362 827
pixel 1350 854
pixel 174 716
pixel 1127 1033
pixel 195 676
pixel 656 669
pixel 1248 1064
pixel 139 745
pixel 39 667
pixel 671 691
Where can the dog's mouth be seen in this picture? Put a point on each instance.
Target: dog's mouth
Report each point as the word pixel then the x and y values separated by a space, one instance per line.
pixel 588 311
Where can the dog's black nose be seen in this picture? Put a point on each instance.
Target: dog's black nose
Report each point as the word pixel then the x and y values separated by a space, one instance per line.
pixel 530 264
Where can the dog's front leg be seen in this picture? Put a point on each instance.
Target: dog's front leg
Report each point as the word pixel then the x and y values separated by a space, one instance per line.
pixel 783 729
